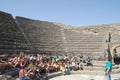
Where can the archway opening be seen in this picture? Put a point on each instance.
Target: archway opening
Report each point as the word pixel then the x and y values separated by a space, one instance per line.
pixel 117 55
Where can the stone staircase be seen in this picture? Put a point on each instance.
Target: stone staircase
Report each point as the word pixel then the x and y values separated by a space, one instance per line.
pixel 48 36
pixel 84 42
pixel 11 37
pixel 42 35
pixel 98 69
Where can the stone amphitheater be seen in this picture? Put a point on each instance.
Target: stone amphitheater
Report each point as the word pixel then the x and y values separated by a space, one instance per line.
pixel 32 36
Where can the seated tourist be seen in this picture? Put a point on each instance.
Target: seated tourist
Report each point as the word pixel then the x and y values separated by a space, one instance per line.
pixel 81 62
pixel 56 66
pixel 4 63
pixel 22 72
pixel 49 67
pixel 75 66
pixel 89 61
pixel 68 69
pixel 63 69
pixel 2 67
pixel 31 69
pixel 74 63
pixel 56 58
pixel 13 60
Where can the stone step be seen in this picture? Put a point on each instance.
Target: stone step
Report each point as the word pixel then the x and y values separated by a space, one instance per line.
pixel 12 72
pixel 77 72
pixel 51 75
pixel 99 68
pixel 101 65
pixel 94 72
pixel 81 36
pixel 83 50
pixel 5 77
pixel 91 47
pixel 90 72
pixel 115 71
pixel 93 68
pixel 96 61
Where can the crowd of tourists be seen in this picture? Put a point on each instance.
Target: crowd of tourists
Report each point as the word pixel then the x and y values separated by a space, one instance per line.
pixel 35 66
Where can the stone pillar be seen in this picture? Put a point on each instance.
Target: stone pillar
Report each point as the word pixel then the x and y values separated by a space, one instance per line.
pixel 110 52
pixel 112 55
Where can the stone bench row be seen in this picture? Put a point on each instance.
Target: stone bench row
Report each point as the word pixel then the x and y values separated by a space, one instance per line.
pixel 13 50
pixel 84 35
pixel 84 48
pixel 68 40
pixel 12 47
pixel 15 33
pixel 92 72
pixel 82 40
pixel 13 43
pixel 67 35
pixel 43 32
pixel 13 38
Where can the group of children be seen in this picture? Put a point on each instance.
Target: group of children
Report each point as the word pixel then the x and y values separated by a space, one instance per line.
pixel 36 66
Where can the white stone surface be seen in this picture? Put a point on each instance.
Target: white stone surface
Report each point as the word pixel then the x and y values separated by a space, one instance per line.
pixel 81 77
pixel 78 77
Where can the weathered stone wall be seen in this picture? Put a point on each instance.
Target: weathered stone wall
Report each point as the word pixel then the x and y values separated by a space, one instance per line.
pixel 34 35
pixel 43 36
pixel 113 32
pixel 115 40
pixel 56 37
pixel 11 37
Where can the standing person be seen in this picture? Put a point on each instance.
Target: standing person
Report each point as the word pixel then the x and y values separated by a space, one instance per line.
pixel 108 69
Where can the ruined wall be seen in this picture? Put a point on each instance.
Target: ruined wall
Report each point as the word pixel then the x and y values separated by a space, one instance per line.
pixel 113 32
pixel 115 41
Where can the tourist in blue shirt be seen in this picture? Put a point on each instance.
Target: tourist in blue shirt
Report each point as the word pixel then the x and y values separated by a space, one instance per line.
pixel 108 69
